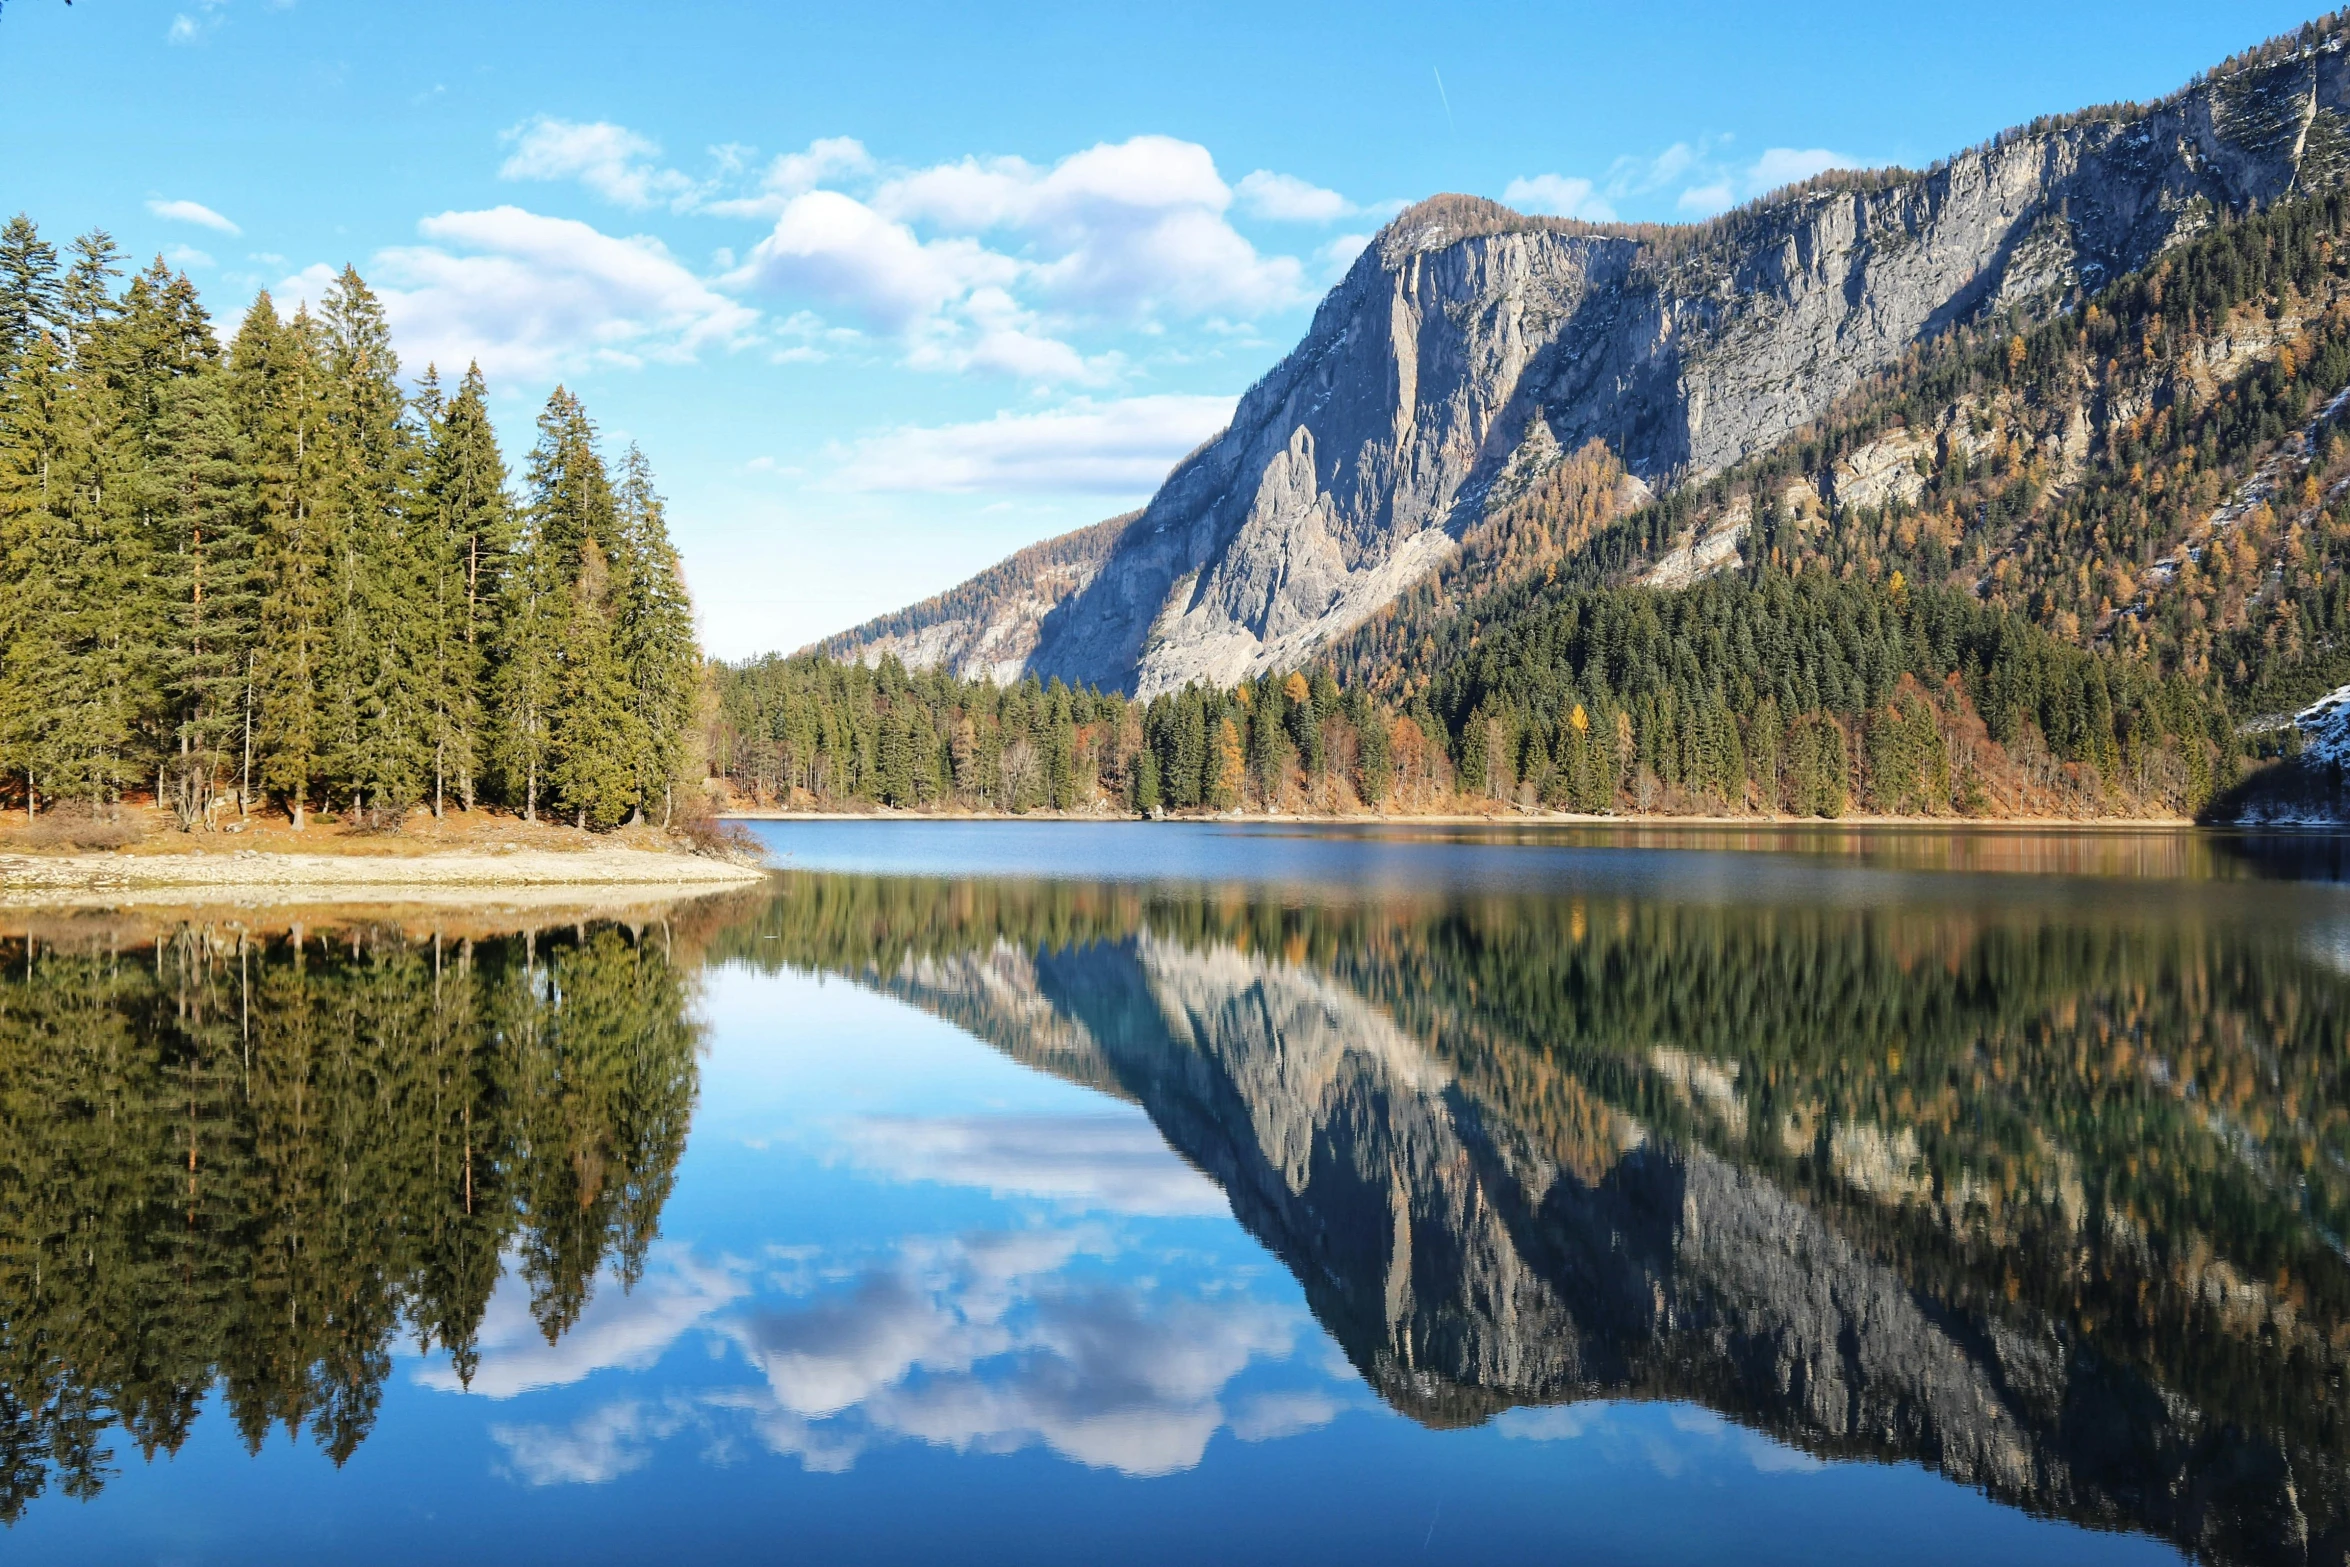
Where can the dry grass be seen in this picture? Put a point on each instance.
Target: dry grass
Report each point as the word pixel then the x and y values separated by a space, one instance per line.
pixel 74 829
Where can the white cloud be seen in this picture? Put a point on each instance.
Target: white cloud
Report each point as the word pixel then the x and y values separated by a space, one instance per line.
pixel 835 249
pixel 611 160
pixel 626 1328
pixel 1113 1163
pixel 192 212
pixel 533 297
pixel 1559 195
pixel 1285 198
pixel 186 256
pixel 1124 230
pixel 1124 446
pixel 794 173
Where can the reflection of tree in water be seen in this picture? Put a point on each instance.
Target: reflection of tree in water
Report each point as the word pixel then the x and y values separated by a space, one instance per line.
pixel 2051 1201
pixel 253 1162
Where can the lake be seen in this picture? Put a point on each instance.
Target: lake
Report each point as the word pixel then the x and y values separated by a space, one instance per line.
pixel 1042 1192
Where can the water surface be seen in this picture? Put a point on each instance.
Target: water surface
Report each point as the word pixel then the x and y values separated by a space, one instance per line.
pixel 1033 1192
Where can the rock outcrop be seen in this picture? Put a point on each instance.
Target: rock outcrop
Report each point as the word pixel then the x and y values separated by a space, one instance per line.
pixel 1469 340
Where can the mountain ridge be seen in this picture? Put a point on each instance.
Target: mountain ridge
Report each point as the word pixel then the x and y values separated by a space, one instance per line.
pixel 1472 347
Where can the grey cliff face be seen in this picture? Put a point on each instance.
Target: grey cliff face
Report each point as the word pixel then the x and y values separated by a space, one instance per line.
pixel 1468 342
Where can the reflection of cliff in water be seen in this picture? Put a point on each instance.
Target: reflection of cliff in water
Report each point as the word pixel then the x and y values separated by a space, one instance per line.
pixel 2046 1207
pixel 256 1161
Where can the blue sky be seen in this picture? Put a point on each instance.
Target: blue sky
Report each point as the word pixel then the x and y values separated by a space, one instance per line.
pixel 886 292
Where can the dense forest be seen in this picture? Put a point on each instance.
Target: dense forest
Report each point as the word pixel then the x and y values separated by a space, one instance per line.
pixel 257 1162
pixel 1805 694
pixel 2038 568
pixel 265 572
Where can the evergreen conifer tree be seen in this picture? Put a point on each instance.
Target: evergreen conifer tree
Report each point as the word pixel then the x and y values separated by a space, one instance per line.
pixel 655 637
pixel 469 533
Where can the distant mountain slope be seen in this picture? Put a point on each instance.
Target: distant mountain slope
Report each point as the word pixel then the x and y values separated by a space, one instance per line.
pixel 986 626
pixel 1471 347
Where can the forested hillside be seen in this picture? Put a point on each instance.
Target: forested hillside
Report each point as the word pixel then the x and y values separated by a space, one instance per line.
pixel 264 572
pixel 2053 568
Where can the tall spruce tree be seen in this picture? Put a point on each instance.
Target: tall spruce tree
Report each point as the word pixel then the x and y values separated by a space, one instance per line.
pixel 279 398
pixel 31 299
pixel 655 638
pixel 593 738
pixel 377 707
pixel 468 533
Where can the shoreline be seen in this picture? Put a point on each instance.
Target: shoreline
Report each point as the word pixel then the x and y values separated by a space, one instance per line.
pixel 1523 819
pixel 42 877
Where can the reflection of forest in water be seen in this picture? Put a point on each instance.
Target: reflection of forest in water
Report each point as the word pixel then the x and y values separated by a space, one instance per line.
pixel 257 1160
pixel 2050 1201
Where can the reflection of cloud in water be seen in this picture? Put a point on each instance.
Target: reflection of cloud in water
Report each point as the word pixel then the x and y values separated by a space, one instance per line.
pixel 1114 1163
pixel 980 1344
pixel 975 1345
pixel 600 1445
pixel 1270 1416
pixel 1098 1376
pixel 1687 1432
pixel 623 1328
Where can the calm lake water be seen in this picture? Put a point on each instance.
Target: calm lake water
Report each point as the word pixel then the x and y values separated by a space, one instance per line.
pixel 1050 1193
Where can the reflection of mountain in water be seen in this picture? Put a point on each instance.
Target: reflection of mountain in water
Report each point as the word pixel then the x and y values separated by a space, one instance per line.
pixel 2047 1207
pixel 254 1161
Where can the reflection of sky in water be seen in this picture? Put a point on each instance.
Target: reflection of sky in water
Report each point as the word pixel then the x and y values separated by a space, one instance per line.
pixel 915 1301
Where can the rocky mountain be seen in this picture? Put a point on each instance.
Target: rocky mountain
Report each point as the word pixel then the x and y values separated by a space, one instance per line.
pixel 1471 347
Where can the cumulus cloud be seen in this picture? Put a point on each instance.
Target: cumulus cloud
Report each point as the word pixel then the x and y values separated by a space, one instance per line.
pixel 1111 1163
pixel 611 160
pixel 981 265
pixel 619 1328
pixel 793 173
pixel 1120 232
pixel 185 256
pixel 532 296
pixel 1119 447
pixel 1284 198
pixel 840 252
pixel 192 212
pixel 1560 196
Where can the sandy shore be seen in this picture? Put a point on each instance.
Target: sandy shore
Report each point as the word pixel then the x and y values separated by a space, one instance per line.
pixel 39 877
